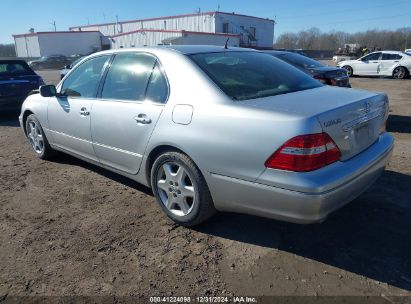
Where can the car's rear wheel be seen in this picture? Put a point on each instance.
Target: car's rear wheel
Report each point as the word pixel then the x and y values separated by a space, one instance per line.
pixel 37 138
pixel 181 190
pixel 399 73
pixel 349 70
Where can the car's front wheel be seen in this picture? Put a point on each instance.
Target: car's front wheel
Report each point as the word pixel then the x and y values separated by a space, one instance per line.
pixel 181 190
pixel 37 138
pixel 399 73
pixel 349 70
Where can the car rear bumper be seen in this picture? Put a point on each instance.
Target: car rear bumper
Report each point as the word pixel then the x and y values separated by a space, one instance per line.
pixel 316 198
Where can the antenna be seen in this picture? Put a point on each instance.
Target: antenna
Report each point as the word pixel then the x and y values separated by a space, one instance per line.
pixel 226 43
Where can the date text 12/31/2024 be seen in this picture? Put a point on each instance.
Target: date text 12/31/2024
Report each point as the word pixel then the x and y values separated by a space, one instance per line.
pixel 223 299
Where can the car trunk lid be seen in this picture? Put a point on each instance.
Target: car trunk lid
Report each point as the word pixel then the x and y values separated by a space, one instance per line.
pixel 353 118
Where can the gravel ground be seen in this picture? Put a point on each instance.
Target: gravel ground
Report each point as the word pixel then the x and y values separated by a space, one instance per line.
pixel 70 228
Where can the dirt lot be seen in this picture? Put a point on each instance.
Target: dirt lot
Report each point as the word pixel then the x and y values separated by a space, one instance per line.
pixel 69 228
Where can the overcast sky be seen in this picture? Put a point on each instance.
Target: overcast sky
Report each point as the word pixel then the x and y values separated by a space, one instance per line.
pixel 291 15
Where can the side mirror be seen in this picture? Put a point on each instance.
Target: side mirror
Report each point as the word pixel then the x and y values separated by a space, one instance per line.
pixel 48 90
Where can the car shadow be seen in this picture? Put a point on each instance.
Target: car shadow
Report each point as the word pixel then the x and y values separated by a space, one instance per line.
pixel 9 119
pixel 371 236
pixel 399 124
pixel 66 159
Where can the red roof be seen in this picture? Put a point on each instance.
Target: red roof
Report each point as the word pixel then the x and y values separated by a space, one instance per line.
pixel 58 32
pixel 168 17
pixel 171 31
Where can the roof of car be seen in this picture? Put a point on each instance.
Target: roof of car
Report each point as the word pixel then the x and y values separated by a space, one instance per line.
pixel 390 52
pixel 12 61
pixel 182 49
pixel 278 52
pixel 194 49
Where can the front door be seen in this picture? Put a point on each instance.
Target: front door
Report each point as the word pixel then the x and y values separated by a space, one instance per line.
pixel 69 113
pixel 126 112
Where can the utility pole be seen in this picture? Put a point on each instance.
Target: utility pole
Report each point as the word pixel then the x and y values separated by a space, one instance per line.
pixel 275 23
pixel 54 25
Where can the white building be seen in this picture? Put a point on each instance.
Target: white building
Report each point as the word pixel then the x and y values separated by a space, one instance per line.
pixel 148 37
pixel 252 31
pixel 61 43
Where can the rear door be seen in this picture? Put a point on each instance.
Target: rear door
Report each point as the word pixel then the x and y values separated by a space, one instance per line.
pixel 388 62
pixel 130 102
pixel 69 114
pixel 368 65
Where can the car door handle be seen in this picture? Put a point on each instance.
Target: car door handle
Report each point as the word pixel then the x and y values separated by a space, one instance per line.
pixel 84 112
pixel 142 119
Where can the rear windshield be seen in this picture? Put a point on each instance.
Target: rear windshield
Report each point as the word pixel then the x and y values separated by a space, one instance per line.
pixel 15 68
pixel 300 61
pixel 250 75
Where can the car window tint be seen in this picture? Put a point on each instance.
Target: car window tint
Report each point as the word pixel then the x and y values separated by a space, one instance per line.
pixel 373 56
pixel 157 89
pixel 300 61
pixel 15 68
pixel 387 56
pixel 128 76
pixel 249 75
pixel 84 80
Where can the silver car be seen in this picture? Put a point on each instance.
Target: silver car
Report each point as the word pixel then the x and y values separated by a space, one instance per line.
pixel 209 128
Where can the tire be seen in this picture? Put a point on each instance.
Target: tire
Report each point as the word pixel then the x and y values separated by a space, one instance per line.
pixel 37 138
pixel 349 70
pixel 181 189
pixel 400 73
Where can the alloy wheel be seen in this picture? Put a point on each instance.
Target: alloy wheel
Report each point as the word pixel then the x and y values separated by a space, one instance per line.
pixel 399 73
pixel 35 137
pixel 176 188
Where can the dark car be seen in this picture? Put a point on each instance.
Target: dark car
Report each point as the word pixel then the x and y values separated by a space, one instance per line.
pixel 67 68
pixel 17 80
pixel 50 62
pixel 326 74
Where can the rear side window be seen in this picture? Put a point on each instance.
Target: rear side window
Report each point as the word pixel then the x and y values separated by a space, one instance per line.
pixel 157 89
pixel 386 56
pixel 128 77
pixel 84 80
pixel 15 68
pixel 250 75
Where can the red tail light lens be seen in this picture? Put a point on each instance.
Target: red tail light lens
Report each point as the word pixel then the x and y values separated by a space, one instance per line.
pixel 321 79
pixel 305 153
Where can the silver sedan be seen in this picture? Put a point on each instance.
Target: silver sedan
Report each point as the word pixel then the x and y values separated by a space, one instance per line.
pixel 209 128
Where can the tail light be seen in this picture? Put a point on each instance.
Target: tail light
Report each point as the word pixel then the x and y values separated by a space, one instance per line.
pixel 305 153
pixel 321 79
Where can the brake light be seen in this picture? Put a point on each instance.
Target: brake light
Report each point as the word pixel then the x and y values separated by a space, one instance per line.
pixel 305 153
pixel 321 79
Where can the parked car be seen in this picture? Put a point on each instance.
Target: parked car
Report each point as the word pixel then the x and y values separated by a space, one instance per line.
pixel 407 51
pixel 50 62
pixel 386 63
pixel 67 68
pixel 215 129
pixel 326 74
pixel 16 82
